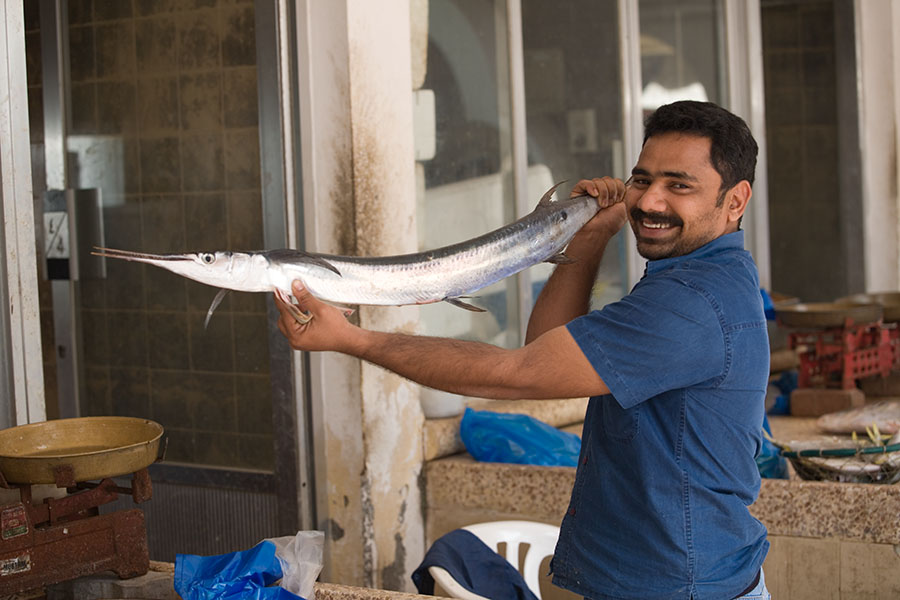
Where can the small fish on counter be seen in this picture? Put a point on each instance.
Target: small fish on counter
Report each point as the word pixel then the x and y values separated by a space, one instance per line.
pixel 885 414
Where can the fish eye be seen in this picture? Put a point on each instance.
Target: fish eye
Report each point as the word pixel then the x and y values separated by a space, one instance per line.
pixel 564 215
pixel 208 258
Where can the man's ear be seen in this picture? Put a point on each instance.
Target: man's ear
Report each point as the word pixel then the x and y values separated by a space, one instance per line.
pixel 736 200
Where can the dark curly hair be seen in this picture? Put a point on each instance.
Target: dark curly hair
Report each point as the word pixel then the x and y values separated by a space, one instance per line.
pixel 732 151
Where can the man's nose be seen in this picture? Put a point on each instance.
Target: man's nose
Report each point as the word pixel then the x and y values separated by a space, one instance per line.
pixel 653 199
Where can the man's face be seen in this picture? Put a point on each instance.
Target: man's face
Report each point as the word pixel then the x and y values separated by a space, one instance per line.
pixel 672 199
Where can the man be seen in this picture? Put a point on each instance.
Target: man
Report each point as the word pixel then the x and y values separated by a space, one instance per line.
pixel 676 371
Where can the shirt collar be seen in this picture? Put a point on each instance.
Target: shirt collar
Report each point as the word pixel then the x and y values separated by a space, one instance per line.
pixel 729 241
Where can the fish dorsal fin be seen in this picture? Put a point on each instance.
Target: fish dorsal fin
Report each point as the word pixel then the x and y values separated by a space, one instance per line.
pixel 289 255
pixel 547 198
pixel 459 303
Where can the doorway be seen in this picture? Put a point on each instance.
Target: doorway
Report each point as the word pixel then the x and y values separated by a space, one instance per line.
pixel 158 112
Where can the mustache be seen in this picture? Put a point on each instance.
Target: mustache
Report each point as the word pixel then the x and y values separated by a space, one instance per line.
pixel 638 215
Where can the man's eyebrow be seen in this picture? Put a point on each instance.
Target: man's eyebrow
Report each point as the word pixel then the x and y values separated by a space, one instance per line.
pixel 672 174
pixel 680 175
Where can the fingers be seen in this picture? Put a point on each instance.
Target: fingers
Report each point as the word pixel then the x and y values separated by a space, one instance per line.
pixel 585 186
pixel 288 308
pixel 607 190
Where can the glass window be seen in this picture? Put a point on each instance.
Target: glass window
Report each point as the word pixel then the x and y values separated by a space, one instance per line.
pixel 573 95
pixel 465 188
pixel 682 56
pixel 163 122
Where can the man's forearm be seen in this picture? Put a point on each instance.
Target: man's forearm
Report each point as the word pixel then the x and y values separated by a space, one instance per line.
pixel 461 367
pixel 553 366
pixel 567 294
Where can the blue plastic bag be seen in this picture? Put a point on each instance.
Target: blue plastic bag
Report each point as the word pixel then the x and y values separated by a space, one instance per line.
pixel 516 438
pixel 770 463
pixel 786 383
pixel 768 305
pixel 233 576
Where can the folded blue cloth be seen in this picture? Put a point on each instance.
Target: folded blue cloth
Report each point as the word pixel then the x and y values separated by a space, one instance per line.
pixel 474 566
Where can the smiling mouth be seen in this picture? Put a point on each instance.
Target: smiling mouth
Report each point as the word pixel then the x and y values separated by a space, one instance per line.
pixel 654 222
pixel 652 225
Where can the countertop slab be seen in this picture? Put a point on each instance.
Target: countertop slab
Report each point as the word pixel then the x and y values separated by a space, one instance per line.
pixel 793 507
pixel 333 591
pixel 442 435
pixel 158 584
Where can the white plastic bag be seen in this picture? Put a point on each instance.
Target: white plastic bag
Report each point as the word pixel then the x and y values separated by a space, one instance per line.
pixel 301 558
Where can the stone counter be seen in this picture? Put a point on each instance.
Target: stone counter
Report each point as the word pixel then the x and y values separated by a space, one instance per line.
pixel 458 487
pixel 331 591
pixel 158 584
pixel 828 540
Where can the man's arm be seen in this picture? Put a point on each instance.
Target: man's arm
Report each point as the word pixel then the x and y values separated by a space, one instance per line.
pixel 553 366
pixel 567 293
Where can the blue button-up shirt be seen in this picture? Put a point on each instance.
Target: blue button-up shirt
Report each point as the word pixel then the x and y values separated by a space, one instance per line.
pixel 667 467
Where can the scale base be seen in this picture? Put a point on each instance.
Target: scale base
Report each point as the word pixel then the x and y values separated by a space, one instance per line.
pixel 32 557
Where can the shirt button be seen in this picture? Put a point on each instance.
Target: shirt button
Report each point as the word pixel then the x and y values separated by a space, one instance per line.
pixel 571 511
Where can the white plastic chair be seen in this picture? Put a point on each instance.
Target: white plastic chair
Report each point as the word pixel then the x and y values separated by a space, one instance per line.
pixel 540 536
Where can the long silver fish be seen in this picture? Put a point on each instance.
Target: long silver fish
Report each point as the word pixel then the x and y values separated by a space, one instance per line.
pixel 444 274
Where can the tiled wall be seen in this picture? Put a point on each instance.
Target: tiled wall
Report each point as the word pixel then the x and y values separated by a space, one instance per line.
pixel 805 201
pixel 173 86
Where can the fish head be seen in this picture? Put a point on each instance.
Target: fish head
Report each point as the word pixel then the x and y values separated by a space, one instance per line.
pixel 242 271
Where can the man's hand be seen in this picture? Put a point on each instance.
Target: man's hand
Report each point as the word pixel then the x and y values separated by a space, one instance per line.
pixel 567 294
pixel 610 193
pixel 327 328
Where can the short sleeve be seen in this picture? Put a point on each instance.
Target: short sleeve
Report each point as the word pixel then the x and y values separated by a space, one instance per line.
pixel 665 335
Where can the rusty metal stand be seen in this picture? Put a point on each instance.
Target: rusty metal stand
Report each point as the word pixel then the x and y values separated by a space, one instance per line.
pixel 64 538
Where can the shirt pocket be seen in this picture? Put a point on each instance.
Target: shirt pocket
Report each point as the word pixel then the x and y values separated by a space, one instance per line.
pixel 620 423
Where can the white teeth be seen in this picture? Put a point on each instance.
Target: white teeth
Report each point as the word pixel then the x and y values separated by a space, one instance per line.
pixel 654 225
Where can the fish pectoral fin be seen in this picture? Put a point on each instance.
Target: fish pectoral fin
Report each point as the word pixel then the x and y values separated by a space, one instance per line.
pixel 547 198
pixel 560 259
pixel 465 305
pixel 215 304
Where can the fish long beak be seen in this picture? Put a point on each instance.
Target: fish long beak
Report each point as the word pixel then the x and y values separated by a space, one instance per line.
pixel 137 256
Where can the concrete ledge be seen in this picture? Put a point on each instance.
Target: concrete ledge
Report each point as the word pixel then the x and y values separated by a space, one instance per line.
pixel 819 509
pixel 159 585
pixel 152 585
pixel 331 591
pixel 442 435
pixel 460 491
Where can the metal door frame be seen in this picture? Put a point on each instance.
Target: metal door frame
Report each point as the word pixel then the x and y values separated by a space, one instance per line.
pixel 21 368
